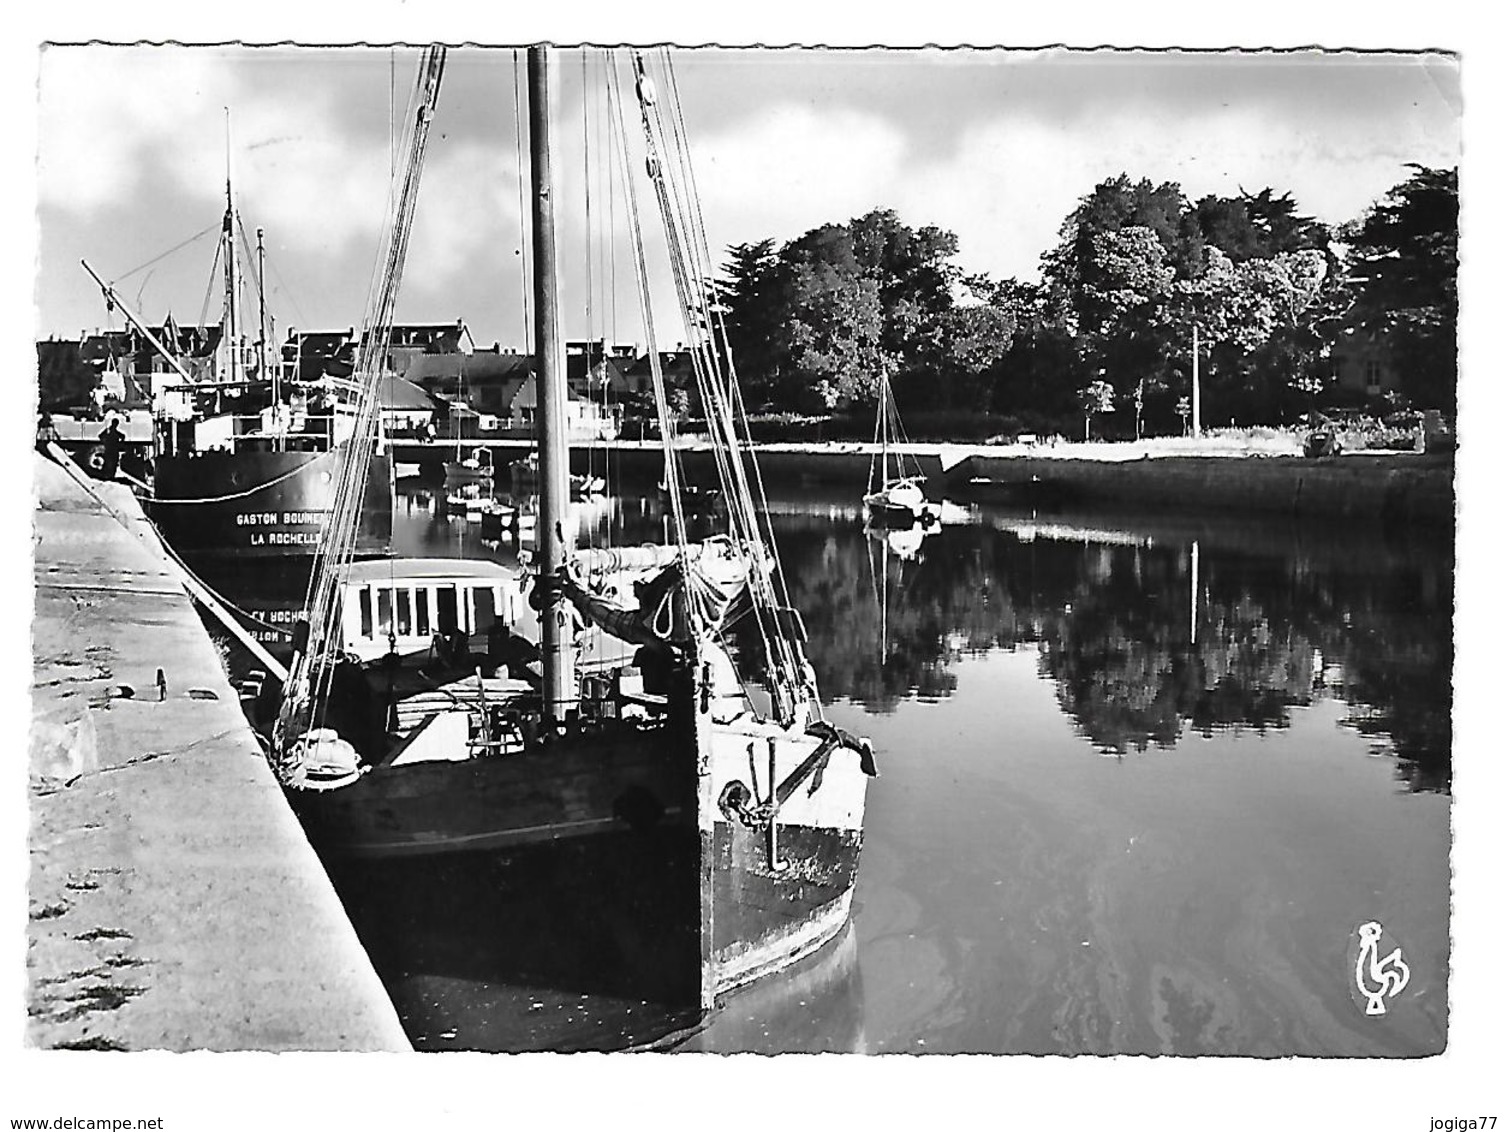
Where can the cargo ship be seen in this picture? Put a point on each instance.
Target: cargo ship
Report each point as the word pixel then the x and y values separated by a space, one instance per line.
pixel 246 449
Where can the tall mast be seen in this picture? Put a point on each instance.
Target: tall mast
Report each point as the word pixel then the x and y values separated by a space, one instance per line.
pixel 555 538
pixel 262 314
pixel 232 328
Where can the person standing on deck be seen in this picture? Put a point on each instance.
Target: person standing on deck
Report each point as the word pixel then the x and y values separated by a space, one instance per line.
pixel 112 439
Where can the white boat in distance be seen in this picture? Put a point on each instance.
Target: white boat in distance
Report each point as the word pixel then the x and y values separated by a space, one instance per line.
pixel 895 498
pixel 470 468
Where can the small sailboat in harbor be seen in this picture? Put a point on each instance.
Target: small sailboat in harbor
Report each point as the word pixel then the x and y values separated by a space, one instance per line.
pixel 472 467
pixel 660 693
pixel 894 496
pixel 524 476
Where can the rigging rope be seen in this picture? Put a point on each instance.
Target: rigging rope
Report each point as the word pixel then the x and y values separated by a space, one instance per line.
pixel 233 495
pixel 524 249
pixel 313 668
pixel 722 402
pixel 175 248
pixel 662 409
pixel 210 288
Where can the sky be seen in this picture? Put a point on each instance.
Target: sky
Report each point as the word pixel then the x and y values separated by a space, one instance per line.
pixel 993 145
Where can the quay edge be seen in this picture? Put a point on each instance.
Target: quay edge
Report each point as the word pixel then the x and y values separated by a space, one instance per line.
pixel 1385 486
pixel 1406 488
pixel 174 902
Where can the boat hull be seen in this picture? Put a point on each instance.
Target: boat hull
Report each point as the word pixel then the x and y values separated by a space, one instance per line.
pixel 466 473
pixel 774 891
pixel 253 504
pixel 780 888
pixel 898 517
pixel 573 787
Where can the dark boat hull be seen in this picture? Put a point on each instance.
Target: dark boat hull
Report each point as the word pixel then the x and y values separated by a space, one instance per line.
pixel 772 892
pixel 217 505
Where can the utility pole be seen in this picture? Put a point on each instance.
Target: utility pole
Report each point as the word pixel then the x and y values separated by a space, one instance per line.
pixel 1194 398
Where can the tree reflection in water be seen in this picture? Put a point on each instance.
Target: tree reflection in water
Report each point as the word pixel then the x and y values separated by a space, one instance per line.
pixel 1147 632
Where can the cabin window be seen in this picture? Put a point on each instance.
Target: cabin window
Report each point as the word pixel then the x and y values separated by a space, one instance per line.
pixel 486 609
pixel 384 612
pixel 445 609
pixel 405 617
pixel 421 613
pixel 366 612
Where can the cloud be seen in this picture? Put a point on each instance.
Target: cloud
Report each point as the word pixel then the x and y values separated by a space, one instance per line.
pixel 1012 180
pixel 132 156
pixel 101 109
pixel 792 168
pixel 118 123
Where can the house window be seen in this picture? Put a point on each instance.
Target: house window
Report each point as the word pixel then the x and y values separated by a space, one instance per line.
pixel 1374 375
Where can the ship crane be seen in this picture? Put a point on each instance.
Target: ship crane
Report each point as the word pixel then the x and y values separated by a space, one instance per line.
pixel 114 300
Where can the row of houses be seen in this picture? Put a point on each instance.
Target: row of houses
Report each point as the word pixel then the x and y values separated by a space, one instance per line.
pixel 435 377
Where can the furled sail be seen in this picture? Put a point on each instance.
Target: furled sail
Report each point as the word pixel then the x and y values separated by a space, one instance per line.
pixel 688 596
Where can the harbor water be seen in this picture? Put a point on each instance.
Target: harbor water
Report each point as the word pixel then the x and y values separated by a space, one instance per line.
pixel 1142 780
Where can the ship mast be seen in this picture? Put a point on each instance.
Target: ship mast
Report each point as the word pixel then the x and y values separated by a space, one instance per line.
pixel 228 236
pixel 555 538
pixel 262 316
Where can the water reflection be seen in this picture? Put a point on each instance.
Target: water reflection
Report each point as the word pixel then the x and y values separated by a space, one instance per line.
pixel 1191 892
pixel 1146 630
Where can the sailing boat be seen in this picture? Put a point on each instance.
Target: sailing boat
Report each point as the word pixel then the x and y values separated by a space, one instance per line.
pixel 609 700
pixel 475 465
pixel 895 498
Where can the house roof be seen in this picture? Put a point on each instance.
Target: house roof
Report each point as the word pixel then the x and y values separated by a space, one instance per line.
pixel 481 368
pixel 432 337
pixel 675 362
pixel 612 369
pixel 184 341
pixel 398 393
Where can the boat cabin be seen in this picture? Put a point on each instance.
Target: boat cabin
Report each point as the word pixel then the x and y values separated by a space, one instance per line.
pixel 402 604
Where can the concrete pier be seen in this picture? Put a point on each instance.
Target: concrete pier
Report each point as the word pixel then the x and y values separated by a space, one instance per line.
pixel 1391 486
pixel 1410 489
pixel 174 902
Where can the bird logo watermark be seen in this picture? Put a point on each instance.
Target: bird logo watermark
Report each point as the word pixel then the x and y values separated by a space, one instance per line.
pixel 1380 972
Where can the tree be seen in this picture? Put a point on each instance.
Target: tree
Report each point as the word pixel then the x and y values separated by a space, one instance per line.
pixel 1095 398
pixel 833 322
pixel 1402 264
pixel 974 342
pixel 751 300
pixel 64 379
pixel 1073 265
pixel 819 322
pixel 1241 310
pixel 1037 376
pixel 1257 226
